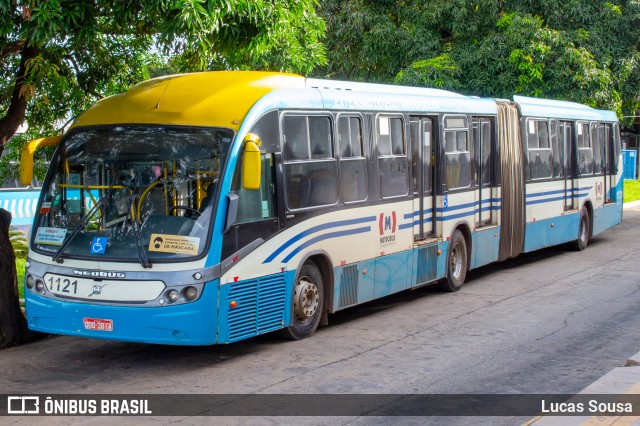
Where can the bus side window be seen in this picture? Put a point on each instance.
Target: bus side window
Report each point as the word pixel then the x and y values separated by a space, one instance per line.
pixel 258 204
pixel 585 152
pixel 393 164
pixel 616 148
pixel 257 215
pixel 539 149
pixel 310 164
pixel 353 166
pixel 597 135
pixel 456 153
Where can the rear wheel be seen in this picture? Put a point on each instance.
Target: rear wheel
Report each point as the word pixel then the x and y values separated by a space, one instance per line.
pixel 308 303
pixel 456 264
pixel 584 232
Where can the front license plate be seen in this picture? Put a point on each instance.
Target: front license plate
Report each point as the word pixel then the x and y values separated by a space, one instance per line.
pixel 98 324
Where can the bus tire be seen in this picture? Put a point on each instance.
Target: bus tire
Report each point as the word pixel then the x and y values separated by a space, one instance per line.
pixel 584 231
pixel 456 264
pixel 308 303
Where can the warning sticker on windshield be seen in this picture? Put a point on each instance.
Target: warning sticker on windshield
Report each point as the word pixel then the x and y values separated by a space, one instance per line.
pixel 174 244
pixel 51 236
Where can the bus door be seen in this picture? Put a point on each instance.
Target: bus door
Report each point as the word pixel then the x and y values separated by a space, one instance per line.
pixel 565 133
pixel 422 168
pixel 482 145
pixel 607 147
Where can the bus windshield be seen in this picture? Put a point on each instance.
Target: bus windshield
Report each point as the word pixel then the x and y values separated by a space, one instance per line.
pixel 129 193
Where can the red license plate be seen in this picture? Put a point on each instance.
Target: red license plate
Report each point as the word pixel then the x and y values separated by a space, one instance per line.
pixel 98 324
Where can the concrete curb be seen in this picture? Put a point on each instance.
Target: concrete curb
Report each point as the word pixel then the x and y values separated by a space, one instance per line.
pixel 633 361
pixel 631 204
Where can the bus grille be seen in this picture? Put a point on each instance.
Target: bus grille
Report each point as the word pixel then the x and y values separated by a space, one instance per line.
pixel 349 286
pixel 260 308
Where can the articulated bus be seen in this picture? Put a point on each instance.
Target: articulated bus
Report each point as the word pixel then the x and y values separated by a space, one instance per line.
pixel 212 207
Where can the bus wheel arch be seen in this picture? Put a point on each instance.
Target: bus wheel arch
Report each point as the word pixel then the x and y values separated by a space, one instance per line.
pixel 323 263
pixel 458 259
pixel 585 227
pixel 311 292
pixel 589 207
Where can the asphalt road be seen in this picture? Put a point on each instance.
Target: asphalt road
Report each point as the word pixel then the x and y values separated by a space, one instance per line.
pixel 552 321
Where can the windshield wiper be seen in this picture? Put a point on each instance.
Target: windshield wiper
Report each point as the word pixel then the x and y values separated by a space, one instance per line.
pixel 85 219
pixel 142 255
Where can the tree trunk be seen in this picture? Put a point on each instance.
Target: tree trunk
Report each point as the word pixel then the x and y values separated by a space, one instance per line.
pixel 13 324
pixel 9 305
pixel 16 112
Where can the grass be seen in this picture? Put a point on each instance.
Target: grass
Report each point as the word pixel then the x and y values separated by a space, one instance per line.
pixel 631 190
pixel 20 271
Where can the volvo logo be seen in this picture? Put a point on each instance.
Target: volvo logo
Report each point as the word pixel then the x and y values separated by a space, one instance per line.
pixel 99 274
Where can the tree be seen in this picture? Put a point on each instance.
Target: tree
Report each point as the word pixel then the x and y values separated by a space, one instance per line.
pixel 57 57
pixel 571 49
pixel 9 306
pixel 373 40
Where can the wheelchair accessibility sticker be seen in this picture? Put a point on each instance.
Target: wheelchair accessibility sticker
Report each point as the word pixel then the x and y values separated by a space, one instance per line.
pixel 99 245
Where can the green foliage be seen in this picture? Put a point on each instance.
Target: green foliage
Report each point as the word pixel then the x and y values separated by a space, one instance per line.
pixel 18 242
pixel 372 41
pixel 631 190
pixel 571 49
pixel 20 269
pixel 84 50
pixel 441 72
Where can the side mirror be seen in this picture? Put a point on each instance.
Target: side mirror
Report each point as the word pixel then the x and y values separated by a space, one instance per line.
pixel 26 156
pixel 251 162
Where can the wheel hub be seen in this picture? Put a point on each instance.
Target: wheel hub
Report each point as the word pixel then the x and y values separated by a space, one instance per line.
pixel 583 232
pixel 456 261
pixel 306 300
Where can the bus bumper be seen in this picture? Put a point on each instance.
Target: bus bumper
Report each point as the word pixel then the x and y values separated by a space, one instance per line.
pixel 185 324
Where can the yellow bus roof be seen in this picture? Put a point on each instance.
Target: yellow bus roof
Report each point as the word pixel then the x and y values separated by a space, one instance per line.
pixel 217 98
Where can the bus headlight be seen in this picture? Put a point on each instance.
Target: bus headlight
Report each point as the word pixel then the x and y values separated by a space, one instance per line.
pixel 173 295
pixel 190 293
pixel 30 282
pixel 40 286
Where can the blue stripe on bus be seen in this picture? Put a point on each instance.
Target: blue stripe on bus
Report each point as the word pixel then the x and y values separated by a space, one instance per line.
pixel 457 207
pixel 469 213
pixel 560 191
pixel 323 237
pixel 315 229
pixel 417 213
pixel 494 201
pixel 467 205
pixel 550 200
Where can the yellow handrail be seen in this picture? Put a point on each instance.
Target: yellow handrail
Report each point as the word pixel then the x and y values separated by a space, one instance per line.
pixel 144 194
pixel 70 185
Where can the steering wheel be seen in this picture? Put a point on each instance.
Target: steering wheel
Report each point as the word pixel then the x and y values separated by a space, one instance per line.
pixel 189 212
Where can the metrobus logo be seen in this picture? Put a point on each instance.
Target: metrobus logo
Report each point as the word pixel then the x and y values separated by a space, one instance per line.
pixel 387 223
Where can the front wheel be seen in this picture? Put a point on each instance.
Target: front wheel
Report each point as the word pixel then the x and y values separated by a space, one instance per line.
pixel 456 264
pixel 308 303
pixel 584 232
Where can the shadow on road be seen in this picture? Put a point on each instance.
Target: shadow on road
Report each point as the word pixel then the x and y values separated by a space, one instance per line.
pixel 60 359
